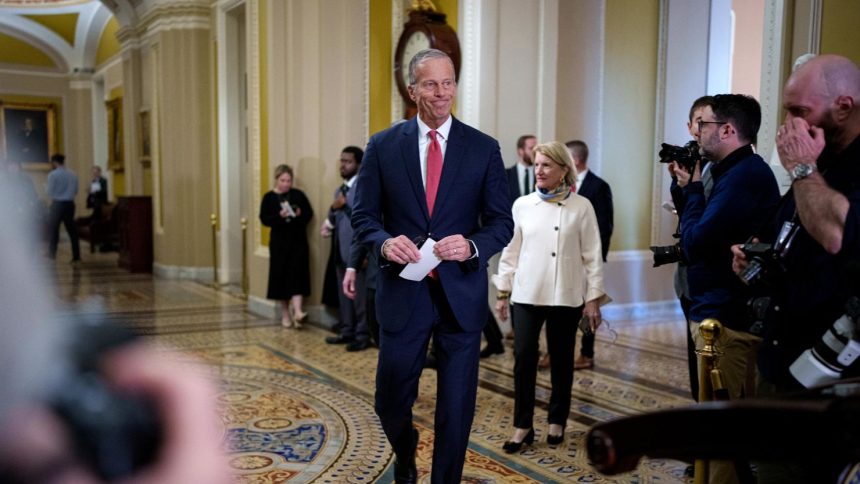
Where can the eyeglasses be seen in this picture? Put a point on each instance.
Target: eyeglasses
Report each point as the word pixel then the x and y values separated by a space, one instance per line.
pixel 703 123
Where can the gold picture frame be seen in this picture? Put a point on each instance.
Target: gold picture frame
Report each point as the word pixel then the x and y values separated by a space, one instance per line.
pixel 28 133
pixel 114 130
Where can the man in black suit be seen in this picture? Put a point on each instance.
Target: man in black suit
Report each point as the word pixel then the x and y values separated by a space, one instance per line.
pixel 521 181
pixel 597 191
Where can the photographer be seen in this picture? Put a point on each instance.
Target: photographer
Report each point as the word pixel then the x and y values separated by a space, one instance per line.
pixel 39 443
pixel 679 181
pixel 744 195
pixel 819 145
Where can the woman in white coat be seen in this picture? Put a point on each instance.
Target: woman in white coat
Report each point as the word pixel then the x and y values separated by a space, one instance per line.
pixel 552 271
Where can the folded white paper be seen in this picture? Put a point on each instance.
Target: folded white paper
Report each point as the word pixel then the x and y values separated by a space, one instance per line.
pixel 415 271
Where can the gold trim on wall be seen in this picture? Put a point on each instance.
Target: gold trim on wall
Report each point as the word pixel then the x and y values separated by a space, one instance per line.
pixel 35 148
pixel 115 145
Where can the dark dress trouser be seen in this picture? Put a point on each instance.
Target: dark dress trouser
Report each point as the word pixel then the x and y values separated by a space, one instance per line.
pixel 561 325
pixel 64 212
pixel 401 360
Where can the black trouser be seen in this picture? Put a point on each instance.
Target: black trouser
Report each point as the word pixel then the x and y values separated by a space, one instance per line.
pixel 692 357
pixel 561 324
pixel 370 314
pixel 492 332
pixel 63 212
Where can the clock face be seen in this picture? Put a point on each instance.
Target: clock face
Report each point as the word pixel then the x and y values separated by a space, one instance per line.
pixel 416 42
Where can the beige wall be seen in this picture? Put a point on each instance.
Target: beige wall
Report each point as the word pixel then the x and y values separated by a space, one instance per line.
pixel 747 56
pixel 840 33
pixel 185 195
pixel 629 116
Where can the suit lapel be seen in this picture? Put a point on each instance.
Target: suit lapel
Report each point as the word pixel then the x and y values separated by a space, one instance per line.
pixel 409 150
pixel 587 185
pixel 453 161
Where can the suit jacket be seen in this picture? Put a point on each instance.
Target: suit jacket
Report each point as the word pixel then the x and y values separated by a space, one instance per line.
pixel 340 218
pixel 472 201
pixel 597 191
pixel 515 184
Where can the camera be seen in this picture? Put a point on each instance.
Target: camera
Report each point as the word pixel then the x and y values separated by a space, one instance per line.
pixel 686 155
pixel 837 349
pixel 666 254
pixel 765 260
pixel 114 434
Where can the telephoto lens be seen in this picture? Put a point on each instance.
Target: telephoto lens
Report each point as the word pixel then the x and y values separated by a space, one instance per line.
pixel 836 350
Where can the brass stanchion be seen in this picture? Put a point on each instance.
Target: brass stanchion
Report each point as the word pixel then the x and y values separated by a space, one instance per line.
pixel 244 223
pixel 214 220
pixel 711 386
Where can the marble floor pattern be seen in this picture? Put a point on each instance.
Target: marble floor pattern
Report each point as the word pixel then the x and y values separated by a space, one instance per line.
pixel 297 410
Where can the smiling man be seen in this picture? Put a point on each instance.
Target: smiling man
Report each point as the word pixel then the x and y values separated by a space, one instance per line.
pixel 431 177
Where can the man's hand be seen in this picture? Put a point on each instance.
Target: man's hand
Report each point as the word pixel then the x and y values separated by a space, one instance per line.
pixel 400 250
pixel 453 247
pixel 502 309
pixel 739 259
pixel 326 228
pixel 339 202
pixel 679 173
pixel 797 142
pixel 349 283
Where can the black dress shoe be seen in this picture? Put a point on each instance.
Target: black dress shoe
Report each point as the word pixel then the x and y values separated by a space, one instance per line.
pixel 405 471
pixel 338 340
pixel 358 345
pixel 510 446
pixel 491 350
pixel 555 439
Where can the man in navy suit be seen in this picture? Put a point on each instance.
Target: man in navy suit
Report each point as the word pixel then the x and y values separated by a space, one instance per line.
pixel 597 191
pixel 435 178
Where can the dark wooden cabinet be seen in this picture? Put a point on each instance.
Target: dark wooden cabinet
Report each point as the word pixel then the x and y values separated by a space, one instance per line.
pixel 134 217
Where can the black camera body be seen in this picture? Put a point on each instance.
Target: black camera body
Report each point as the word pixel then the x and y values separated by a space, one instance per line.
pixel 114 434
pixel 686 155
pixel 764 261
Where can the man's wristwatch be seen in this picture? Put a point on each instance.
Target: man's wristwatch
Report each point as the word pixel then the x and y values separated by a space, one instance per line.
pixel 801 171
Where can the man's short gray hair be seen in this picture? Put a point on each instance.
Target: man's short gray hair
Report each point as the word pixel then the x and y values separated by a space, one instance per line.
pixel 422 56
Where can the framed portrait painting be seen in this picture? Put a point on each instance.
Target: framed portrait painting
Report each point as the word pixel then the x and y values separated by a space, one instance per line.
pixel 28 133
pixel 145 140
pixel 114 130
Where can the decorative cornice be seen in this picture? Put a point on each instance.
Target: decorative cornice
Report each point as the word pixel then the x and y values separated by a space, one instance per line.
pixel 175 16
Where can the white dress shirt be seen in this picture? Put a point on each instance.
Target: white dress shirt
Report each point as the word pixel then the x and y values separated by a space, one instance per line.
pixel 424 143
pixel 521 168
pixel 580 177
pixel 554 258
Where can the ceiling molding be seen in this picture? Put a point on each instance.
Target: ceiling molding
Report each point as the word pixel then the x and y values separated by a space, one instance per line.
pixel 39 36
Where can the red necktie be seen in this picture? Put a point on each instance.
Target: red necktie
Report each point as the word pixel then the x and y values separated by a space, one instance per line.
pixel 434 170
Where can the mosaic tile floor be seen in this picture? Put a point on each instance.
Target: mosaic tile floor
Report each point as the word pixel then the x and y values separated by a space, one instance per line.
pixel 298 410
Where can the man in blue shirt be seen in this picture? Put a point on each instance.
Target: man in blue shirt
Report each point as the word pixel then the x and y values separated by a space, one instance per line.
pixel 62 188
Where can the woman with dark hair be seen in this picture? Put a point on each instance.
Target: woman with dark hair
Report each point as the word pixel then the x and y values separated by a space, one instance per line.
pixel 287 211
pixel 552 271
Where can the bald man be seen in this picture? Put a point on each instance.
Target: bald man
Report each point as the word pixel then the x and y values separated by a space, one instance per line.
pixel 819 146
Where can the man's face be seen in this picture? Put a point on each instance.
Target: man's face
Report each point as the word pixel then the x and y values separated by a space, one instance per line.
pixel 526 153
pixel 434 91
pixel 693 125
pixel 803 97
pixel 28 124
pixel 348 165
pixel 709 136
pixel 96 173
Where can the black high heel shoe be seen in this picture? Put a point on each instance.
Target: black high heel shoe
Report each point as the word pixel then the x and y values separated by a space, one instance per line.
pixel 510 446
pixel 555 439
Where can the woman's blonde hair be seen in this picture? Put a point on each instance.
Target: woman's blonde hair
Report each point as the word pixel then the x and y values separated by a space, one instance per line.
pixel 281 169
pixel 559 155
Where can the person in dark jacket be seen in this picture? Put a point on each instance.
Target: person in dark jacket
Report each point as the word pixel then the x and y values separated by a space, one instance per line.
pixel 744 196
pixel 287 211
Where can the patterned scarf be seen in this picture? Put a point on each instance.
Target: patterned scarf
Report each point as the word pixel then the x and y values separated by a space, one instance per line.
pixel 557 195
